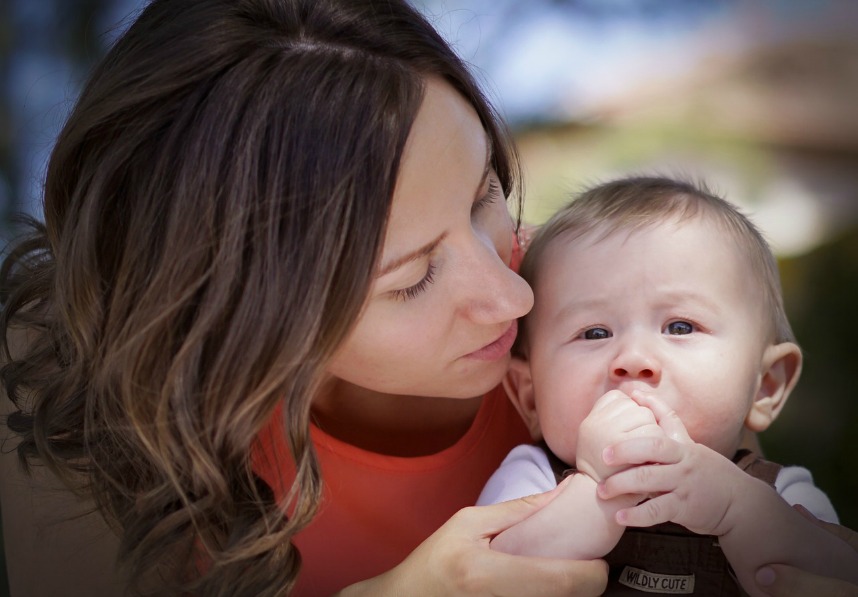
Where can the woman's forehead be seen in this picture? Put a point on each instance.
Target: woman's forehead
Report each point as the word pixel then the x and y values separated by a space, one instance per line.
pixel 446 158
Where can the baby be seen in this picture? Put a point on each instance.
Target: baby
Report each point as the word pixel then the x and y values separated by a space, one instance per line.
pixel 657 348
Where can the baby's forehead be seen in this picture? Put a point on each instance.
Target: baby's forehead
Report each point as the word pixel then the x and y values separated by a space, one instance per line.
pixel 589 233
pixel 574 247
pixel 634 223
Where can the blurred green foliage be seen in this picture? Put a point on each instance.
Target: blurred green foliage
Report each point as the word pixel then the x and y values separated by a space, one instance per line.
pixel 819 426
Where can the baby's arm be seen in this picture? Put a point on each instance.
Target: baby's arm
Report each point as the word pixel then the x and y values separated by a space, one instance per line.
pixel 577 524
pixel 705 492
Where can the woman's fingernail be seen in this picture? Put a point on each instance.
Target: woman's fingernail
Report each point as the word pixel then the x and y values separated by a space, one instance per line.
pixel 765 576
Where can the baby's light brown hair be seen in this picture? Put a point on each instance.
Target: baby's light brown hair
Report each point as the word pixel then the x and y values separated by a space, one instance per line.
pixel 639 202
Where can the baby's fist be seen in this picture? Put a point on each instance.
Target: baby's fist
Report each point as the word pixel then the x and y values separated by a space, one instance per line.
pixel 615 417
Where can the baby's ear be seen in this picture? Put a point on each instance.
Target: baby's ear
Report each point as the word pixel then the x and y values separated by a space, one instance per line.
pixel 780 371
pixel 518 384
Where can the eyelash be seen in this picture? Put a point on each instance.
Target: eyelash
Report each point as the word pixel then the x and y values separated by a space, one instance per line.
pixel 405 294
pixel 490 197
pixel 411 292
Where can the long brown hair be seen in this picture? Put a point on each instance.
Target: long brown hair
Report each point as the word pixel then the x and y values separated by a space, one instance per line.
pixel 213 211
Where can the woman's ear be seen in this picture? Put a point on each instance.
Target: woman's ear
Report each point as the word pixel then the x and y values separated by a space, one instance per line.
pixel 780 371
pixel 518 384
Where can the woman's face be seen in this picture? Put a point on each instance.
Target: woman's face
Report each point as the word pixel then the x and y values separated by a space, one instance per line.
pixel 440 317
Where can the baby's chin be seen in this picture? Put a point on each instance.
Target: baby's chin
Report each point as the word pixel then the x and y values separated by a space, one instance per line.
pixel 569 457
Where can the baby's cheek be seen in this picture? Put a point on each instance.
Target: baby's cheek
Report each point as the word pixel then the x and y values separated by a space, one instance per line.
pixel 722 436
pixel 563 441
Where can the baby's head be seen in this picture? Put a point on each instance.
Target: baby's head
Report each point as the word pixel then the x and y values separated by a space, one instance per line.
pixel 659 286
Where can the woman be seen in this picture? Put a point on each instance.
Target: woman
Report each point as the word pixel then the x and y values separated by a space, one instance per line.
pixel 275 233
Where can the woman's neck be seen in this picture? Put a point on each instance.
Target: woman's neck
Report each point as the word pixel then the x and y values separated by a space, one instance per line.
pixel 392 424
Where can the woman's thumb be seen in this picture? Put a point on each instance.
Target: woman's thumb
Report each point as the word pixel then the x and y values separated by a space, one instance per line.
pixel 780 580
pixel 498 517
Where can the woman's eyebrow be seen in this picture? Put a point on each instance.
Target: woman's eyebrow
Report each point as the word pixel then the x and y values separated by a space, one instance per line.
pixel 430 246
pixel 409 257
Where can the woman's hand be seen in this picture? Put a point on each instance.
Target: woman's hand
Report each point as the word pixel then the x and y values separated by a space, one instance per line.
pixel 457 561
pixel 779 580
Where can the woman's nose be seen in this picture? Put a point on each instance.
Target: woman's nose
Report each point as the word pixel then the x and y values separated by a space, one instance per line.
pixel 493 292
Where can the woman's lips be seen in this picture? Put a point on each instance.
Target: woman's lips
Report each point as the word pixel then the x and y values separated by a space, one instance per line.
pixel 498 348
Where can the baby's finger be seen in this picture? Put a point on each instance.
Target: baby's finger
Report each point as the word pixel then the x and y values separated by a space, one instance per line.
pixel 640 450
pixel 667 418
pixel 651 512
pixel 607 399
pixel 647 479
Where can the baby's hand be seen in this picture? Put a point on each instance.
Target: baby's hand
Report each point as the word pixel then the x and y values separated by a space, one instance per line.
pixel 615 418
pixel 691 484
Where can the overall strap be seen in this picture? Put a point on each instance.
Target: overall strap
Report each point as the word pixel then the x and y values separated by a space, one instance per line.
pixel 757 467
pixel 560 469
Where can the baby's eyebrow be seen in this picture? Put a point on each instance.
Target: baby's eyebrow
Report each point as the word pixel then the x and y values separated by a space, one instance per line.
pixel 571 308
pixel 694 297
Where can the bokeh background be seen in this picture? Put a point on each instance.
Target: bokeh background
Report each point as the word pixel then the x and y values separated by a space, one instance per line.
pixel 757 97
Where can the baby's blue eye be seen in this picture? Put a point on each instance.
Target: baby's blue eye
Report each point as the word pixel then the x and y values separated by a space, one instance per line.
pixel 596 334
pixel 679 328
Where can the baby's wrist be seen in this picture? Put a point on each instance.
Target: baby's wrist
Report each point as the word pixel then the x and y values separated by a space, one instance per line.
pixel 597 471
pixel 588 459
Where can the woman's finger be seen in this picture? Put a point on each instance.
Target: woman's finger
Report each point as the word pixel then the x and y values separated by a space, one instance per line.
pixel 488 521
pixel 847 534
pixel 498 574
pixel 517 576
pixel 780 580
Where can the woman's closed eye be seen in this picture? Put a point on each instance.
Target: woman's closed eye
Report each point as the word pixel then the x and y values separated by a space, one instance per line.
pixel 405 294
pixel 492 194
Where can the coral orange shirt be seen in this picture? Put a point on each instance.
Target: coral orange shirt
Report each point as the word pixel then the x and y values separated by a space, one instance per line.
pixel 375 508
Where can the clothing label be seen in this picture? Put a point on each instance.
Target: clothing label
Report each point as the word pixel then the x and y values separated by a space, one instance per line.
pixel 650 582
